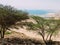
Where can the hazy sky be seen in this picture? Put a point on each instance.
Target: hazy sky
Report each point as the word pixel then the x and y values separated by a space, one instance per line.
pixel 33 4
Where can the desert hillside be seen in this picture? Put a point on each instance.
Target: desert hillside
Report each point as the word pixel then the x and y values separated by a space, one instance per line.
pixel 34 34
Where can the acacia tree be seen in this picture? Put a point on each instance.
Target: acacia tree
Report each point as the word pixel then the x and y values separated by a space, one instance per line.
pixel 46 28
pixel 9 16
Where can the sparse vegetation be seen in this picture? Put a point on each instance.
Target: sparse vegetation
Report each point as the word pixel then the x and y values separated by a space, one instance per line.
pixel 7 32
pixel 46 27
pixel 11 18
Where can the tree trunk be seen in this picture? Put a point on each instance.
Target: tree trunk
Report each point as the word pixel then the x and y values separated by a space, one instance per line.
pixel 44 41
pixel 50 36
pixel 2 36
pixel 47 36
pixel 2 33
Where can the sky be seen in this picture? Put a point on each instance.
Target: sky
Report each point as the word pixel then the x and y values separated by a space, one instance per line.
pixel 33 4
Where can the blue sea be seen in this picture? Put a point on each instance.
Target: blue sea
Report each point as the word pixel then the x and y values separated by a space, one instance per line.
pixel 39 12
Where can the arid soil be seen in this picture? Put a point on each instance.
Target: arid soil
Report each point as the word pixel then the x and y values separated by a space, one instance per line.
pixel 16 38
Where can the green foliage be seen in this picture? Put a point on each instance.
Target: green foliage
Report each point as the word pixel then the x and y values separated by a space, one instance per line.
pixel 9 16
pixel 8 32
pixel 46 26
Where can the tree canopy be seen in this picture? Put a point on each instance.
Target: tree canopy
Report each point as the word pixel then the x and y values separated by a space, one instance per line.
pixel 10 16
pixel 46 27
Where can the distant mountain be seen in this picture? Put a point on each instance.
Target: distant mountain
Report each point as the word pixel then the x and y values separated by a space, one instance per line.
pixel 39 12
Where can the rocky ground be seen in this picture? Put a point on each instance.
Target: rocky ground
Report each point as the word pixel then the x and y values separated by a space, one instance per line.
pixel 15 38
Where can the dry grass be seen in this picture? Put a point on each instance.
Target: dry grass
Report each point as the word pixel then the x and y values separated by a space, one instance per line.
pixel 16 35
pixel 15 38
pixel 20 39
